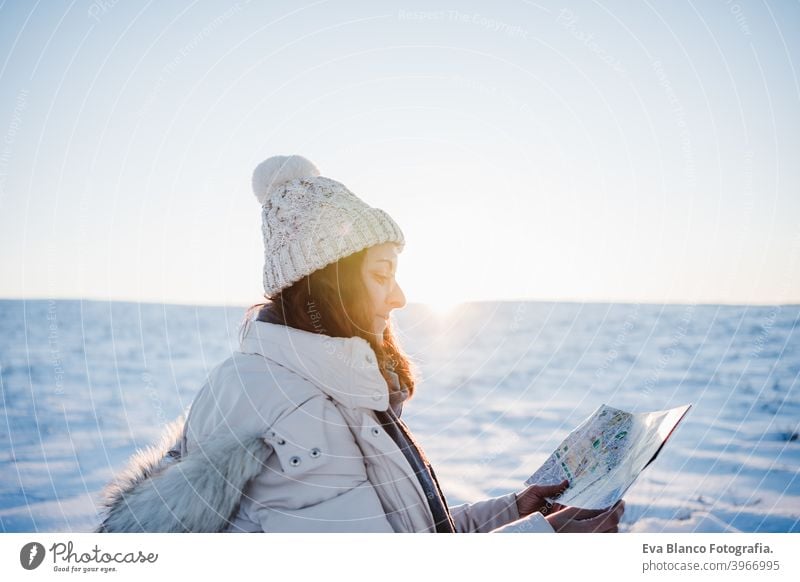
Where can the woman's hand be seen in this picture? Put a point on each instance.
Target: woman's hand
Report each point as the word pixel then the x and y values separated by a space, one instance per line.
pixel 577 520
pixel 534 498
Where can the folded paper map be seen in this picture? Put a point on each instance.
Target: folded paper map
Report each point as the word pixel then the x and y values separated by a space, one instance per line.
pixel 604 455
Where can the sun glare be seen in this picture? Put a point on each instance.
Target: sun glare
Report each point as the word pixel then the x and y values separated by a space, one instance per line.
pixel 441 307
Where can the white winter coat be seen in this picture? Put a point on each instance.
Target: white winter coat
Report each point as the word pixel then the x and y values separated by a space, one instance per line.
pixel 332 467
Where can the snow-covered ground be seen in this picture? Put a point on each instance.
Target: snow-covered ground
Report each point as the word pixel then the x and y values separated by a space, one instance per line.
pixel 86 383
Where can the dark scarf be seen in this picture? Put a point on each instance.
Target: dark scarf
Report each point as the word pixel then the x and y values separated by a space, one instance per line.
pixel 401 435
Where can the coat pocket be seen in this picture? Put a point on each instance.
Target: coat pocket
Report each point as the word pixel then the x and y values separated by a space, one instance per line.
pixel 314 441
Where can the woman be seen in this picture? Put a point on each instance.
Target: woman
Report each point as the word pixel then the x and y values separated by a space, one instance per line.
pixel 300 430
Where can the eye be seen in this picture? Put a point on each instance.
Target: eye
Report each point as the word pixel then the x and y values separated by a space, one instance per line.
pixel 381 279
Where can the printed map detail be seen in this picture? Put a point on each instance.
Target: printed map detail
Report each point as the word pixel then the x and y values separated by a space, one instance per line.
pixel 604 455
pixel 599 450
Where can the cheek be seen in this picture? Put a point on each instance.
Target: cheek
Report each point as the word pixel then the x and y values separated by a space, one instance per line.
pixel 375 294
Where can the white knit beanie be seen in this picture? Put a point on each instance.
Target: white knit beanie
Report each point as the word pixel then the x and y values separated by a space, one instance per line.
pixel 310 221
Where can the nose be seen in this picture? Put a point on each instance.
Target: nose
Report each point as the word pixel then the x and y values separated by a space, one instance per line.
pixel 397 299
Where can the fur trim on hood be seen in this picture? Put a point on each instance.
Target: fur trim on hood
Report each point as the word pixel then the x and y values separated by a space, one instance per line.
pixel 161 492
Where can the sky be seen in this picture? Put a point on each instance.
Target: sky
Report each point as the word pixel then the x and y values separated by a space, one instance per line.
pixel 573 151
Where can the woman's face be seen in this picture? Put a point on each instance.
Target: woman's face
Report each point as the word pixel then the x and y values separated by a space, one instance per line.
pixel 378 273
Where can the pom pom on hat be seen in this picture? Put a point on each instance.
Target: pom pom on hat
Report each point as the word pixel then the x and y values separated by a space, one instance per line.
pixel 273 172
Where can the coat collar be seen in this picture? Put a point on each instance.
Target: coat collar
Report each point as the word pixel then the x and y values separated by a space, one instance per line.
pixel 345 369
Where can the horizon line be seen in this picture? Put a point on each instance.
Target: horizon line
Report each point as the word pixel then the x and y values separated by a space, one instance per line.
pixel 246 305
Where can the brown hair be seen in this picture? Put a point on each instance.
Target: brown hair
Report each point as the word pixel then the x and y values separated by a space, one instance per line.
pixel 333 301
